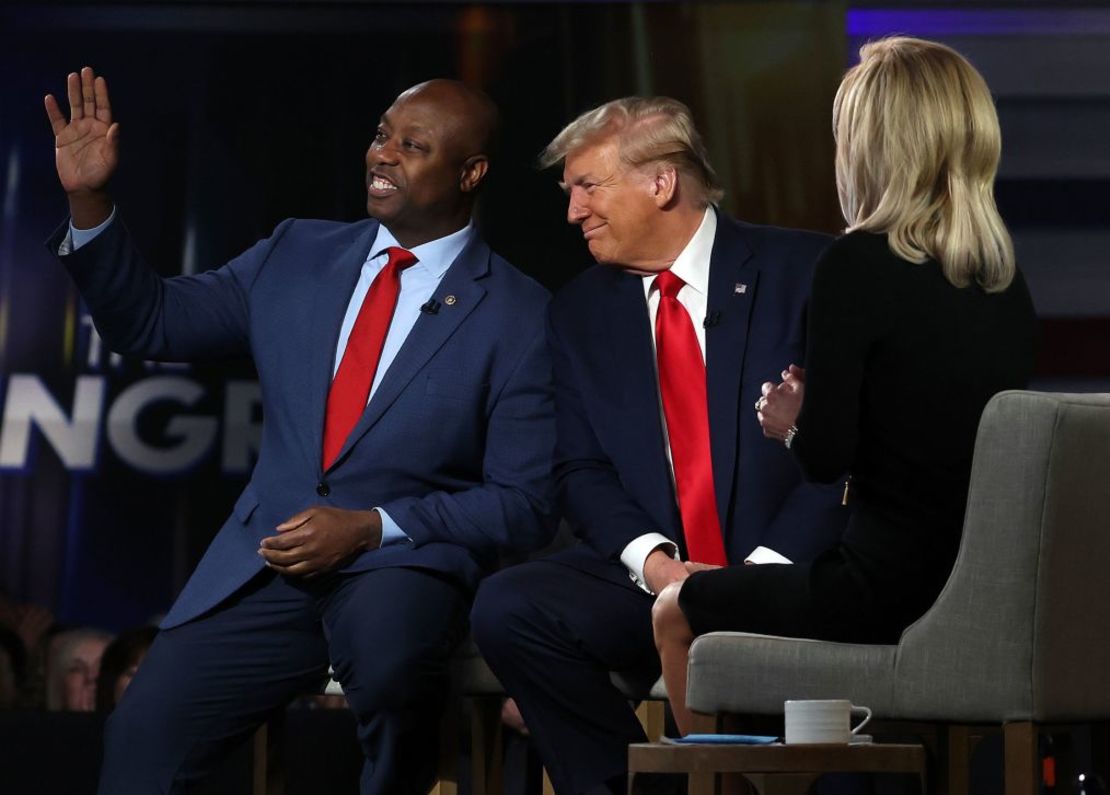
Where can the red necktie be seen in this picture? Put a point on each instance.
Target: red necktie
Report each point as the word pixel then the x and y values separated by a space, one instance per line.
pixel 350 388
pixel 685 407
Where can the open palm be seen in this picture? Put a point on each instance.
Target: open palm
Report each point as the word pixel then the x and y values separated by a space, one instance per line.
pixel 87 146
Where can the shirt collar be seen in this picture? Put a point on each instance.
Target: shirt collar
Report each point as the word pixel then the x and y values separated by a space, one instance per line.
pixel 435 256
pixel 692 263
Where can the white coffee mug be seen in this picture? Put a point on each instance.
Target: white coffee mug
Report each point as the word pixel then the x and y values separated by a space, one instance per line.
pixel 824 721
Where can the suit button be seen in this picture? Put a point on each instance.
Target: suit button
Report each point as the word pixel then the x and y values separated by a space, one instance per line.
pixel 323 489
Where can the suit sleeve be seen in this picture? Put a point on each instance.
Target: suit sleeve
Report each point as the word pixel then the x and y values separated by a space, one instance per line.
pixel 137 312
pixel 513 508
pixel 590 493
pixel 810 521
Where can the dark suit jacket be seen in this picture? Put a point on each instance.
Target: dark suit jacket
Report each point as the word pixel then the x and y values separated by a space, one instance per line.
pixel 455 444
pixel 611 469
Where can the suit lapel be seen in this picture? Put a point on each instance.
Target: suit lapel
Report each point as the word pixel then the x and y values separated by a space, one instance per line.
pixel 333 288
pixel 733 278
pixel 628 370
pixel 428 335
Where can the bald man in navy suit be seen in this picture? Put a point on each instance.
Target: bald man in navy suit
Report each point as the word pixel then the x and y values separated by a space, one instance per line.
pixel 406 440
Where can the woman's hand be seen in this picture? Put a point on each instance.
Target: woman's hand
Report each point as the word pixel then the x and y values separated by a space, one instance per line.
pixel 778 408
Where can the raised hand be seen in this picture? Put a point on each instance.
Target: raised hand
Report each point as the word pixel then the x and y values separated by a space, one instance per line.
pixel 86 148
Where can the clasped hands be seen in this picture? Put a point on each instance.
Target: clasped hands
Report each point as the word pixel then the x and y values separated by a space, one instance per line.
pixel 320 539
pixel 778 408
pixel 660 570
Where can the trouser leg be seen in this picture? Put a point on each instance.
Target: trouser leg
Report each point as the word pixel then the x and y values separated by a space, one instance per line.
pixel 390 634
pixel 552 634
pixel 206 684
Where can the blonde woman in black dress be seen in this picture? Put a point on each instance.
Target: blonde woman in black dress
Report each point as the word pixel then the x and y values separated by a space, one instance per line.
pixel 917 317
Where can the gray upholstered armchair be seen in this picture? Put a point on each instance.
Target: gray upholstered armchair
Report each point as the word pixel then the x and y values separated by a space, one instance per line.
pixel 1020 636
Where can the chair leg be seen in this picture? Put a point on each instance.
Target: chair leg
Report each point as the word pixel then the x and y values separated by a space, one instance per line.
pixel 484 716
pixel 486 745
pixel 703 783
pixel 700 784
pixel 448 763
pixel 959 759
pixel 268 746
pixel 738 784
pixel 653 716
pixel 259 754
pixel 1020 743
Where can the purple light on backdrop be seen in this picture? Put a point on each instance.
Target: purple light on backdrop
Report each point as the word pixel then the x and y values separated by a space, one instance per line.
pixel 867 22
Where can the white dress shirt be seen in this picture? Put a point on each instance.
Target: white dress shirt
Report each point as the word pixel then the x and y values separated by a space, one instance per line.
pixel 692 266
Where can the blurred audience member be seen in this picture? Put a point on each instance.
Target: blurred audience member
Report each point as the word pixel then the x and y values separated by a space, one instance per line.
pixel 72 667
pixel 120 662
pixel 13 668
pixel 29 621
pixel 32 624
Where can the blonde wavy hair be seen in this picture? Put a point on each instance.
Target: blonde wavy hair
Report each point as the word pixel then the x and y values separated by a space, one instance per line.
pixel 917 150
pixel 650 130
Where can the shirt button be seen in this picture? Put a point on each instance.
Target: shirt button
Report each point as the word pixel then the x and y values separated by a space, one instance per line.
pixel 323 489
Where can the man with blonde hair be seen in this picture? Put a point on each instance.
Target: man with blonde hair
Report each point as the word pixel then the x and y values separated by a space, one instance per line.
pixel 661 467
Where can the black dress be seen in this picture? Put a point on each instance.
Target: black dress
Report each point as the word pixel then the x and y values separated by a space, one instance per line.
pixel 899 365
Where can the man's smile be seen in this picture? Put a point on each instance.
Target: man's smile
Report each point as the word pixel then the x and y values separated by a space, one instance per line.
pixel 380 186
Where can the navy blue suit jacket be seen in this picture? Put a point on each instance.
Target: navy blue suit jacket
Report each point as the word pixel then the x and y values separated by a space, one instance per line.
pixel 455 444
pixel 611 469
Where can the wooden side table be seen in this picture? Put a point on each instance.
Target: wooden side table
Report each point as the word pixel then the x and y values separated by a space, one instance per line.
pixel 788 768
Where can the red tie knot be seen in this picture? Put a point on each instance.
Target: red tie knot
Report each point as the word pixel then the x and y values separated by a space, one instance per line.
pixel 399 258
pixel 669 284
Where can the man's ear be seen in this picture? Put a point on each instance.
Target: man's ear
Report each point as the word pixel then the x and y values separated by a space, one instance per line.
pixel 473 172
pixel 664 185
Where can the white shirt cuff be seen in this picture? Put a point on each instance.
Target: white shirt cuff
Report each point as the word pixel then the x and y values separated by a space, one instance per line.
pixel 766 555
pixel 635 555
pixel 81 237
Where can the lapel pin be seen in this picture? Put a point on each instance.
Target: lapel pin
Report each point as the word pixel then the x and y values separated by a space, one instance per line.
pixel 450 300
pixel 740 288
